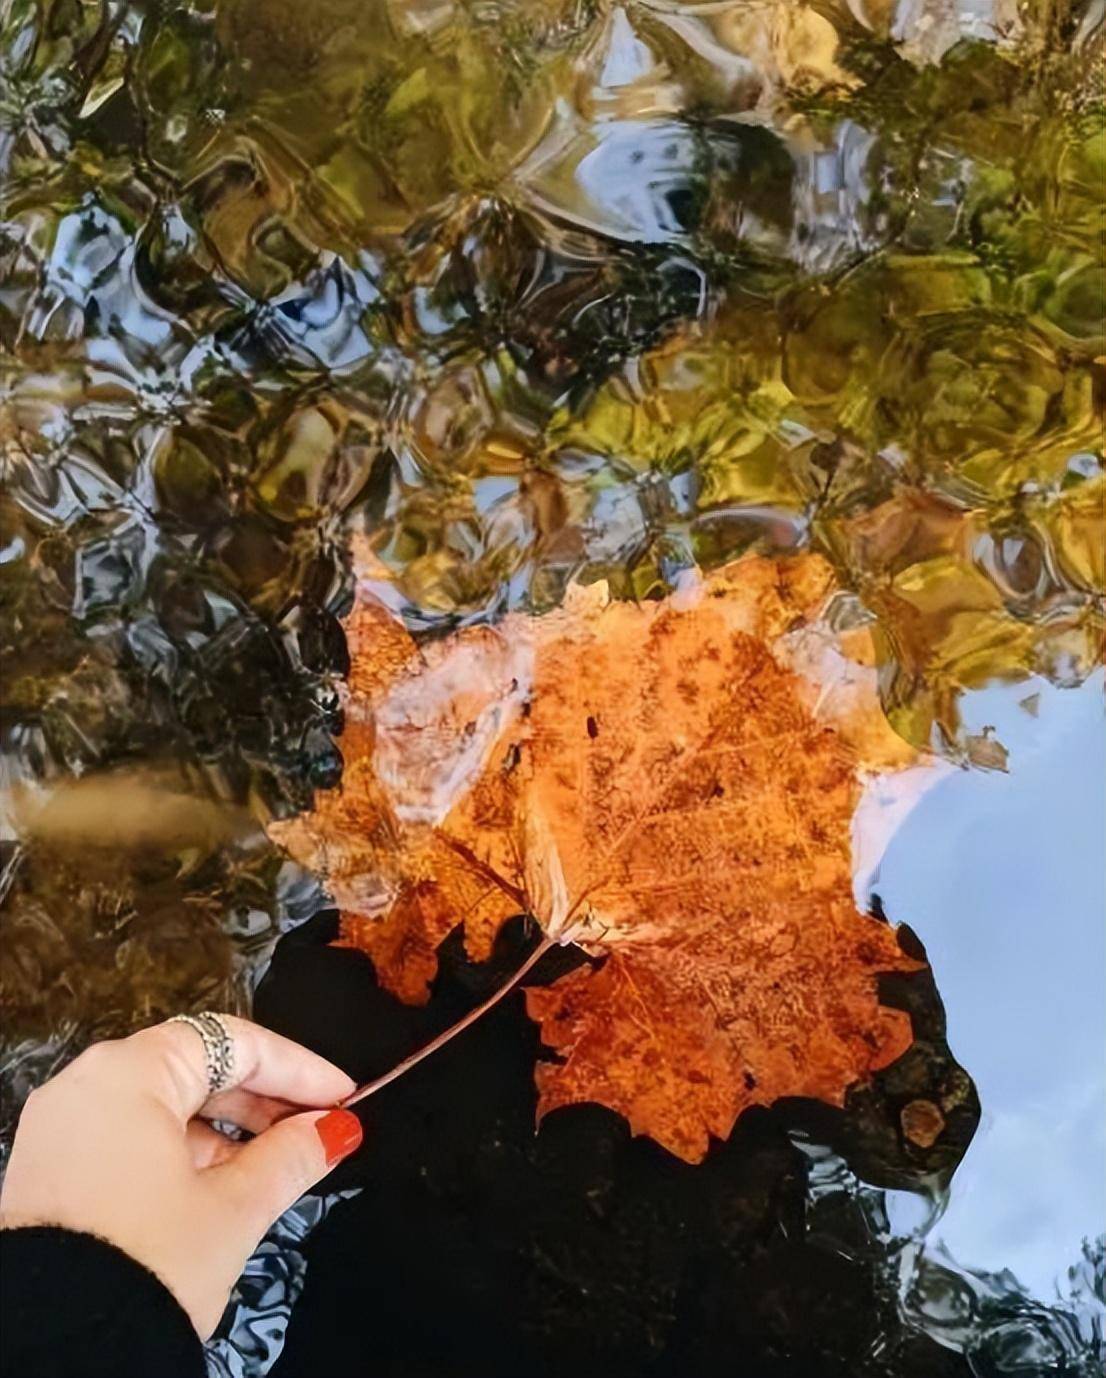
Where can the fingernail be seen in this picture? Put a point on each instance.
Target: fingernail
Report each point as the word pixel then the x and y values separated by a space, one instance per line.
pixel 341 1133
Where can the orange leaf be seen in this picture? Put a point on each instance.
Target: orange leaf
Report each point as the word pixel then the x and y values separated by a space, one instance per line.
pixel 672 786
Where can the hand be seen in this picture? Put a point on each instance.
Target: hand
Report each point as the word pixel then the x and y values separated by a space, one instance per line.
pixel 117 1145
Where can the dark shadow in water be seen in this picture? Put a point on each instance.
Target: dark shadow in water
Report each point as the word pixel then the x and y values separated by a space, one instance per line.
pixel 479 1247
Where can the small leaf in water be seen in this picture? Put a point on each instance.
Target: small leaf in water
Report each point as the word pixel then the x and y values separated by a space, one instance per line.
pixel 986 751
pixel 922 1122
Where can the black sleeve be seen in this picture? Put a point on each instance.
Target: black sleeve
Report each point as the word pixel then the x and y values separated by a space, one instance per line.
pixel 74 1306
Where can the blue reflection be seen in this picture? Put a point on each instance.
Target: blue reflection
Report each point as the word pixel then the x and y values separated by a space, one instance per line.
pixel 1002 877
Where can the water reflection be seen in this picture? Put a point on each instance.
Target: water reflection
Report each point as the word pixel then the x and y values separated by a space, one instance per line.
pixel 1012 919
pixel 537 292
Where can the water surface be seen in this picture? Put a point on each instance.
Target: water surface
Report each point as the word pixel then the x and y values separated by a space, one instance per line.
pixel 555 290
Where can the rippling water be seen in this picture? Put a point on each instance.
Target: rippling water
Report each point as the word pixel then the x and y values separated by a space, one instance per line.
pixel 530 292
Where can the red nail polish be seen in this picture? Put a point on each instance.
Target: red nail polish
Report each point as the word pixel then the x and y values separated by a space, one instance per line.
pixel 341 1133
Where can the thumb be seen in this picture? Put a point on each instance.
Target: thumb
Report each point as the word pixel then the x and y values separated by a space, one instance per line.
pixel 274 1170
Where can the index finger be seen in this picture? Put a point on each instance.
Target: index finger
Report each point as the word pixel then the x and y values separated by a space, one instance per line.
pixel 264 1062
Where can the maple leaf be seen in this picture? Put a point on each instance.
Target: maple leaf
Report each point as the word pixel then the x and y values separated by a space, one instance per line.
pixel 669 784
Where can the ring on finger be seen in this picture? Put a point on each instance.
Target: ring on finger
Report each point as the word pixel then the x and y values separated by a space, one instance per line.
pixel 218 1047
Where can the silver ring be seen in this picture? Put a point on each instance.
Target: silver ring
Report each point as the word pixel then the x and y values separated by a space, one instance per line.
pixel 218 1047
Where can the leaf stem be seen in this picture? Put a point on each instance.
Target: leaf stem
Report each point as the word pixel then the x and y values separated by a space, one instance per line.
pixel 371 1087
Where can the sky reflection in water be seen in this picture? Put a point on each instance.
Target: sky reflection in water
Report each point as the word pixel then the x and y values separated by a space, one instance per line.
pixel 532 292
pixel 1002 877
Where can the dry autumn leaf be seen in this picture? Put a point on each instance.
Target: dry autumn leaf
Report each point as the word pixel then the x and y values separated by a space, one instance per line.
pixel 671 785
